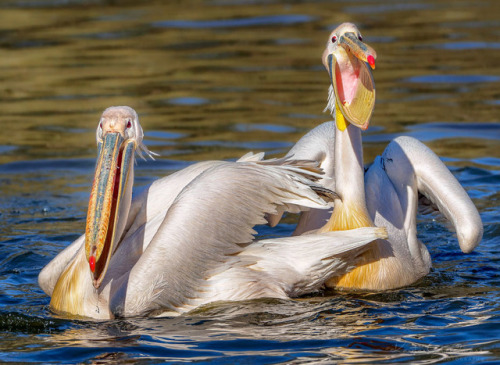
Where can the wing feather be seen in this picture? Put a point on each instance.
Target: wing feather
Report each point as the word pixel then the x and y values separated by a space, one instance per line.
pixel 210 221
pixel 290 266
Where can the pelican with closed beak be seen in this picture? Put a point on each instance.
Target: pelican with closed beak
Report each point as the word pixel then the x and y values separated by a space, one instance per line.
pixel 388 195
pixel 188 239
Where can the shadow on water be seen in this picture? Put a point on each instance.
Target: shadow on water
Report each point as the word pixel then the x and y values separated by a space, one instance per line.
pixel 216 83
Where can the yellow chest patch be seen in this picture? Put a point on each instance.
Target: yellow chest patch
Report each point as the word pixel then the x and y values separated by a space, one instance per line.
pixel 371 267
pixel 69 294
pixel 369 274
pixel 347 216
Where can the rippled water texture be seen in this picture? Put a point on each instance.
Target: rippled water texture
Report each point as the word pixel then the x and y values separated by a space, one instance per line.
pixel 214 80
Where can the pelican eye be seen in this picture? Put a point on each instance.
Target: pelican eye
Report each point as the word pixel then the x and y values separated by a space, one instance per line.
pixel 100 125
pixel 129 124
pixel 360 37
pixel 334 39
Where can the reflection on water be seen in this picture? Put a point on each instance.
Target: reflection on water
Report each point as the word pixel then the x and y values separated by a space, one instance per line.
pixel 349 329
pixel 229 63
pixel 214 83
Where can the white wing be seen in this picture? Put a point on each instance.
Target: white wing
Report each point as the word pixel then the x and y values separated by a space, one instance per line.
pixel 316 145
pixel 210 221
pixel 291 266
pixel 407 161
pixel 146 213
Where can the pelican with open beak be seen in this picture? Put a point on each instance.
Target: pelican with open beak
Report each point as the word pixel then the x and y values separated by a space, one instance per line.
pixel 348 61
pixel 390 192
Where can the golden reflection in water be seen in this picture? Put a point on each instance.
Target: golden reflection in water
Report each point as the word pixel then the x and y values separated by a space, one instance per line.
pixel 61 66
pixel 341 329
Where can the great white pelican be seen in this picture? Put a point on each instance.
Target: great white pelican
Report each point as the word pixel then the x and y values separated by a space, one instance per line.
pixel 188 239
pixel 388 194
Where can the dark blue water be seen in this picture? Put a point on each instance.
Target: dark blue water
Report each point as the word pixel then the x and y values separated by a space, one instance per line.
pixel 213 84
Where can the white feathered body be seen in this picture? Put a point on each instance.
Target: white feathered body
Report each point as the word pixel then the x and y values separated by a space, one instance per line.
pixel 189 240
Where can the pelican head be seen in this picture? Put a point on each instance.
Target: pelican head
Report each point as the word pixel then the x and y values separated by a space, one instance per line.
pixel 118 135
pixel 352 90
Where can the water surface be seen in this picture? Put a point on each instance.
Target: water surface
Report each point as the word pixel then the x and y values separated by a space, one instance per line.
pixel 214 80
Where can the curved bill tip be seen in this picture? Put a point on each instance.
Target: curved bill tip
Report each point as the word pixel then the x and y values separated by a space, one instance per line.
pixel 92 263
pixel 371 61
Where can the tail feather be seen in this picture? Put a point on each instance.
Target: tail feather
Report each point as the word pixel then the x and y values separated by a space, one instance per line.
pixel 301 264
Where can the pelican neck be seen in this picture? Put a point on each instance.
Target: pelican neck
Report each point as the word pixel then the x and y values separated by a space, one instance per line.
pixel 349 168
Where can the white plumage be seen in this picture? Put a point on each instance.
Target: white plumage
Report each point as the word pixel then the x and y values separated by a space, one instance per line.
pixel 388 194
pixel 188 240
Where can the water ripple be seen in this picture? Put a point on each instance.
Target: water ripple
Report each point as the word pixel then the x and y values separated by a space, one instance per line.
pixel 453 79
pixel 460 46
pixel 281 20
pixel 436 131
